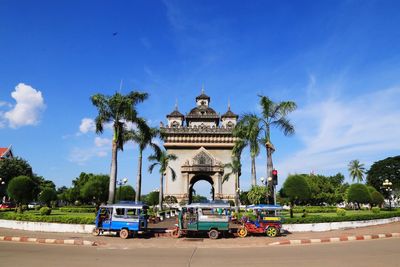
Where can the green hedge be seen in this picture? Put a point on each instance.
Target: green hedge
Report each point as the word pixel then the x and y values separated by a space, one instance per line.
pixel 314 209
pixel 78 209
pixel 353 217
pixel 49 218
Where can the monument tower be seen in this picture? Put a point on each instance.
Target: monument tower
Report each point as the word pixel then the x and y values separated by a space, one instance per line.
pixel 203 141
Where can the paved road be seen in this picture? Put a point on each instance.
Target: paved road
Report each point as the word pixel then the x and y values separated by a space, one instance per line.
pixel 384 252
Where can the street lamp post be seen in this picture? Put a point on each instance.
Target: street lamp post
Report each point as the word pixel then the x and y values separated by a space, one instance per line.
pixel 121 183
pixel 388 187
pixel 1 184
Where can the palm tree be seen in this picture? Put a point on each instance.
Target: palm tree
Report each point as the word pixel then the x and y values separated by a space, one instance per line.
pixel 235 166
pixel 162 159
pixel 143 136
pixel 116 109
pixel 356 170
pixel 274 115
pixel 248 130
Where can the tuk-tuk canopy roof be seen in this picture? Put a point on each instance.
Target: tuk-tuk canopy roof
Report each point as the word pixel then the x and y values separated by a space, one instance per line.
pixel 264 207
pixel 126 205
pixel 209 205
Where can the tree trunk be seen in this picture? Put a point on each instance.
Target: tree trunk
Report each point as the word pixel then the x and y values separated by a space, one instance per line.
pixel 160 196
pixel 113 173
pixel 291 209
pixel 253 171
pixel 236 193
pixel 139 177
pixel 269 173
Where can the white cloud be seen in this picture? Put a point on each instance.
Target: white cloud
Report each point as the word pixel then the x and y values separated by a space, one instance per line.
pixel 336 131
pixel 101 142
pixel 28 108
pixel 82 155
pixel 87 125
pixel 5 104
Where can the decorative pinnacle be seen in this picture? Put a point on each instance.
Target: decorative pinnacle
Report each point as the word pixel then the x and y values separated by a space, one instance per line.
pixel 229 103
pixel 202 88
pixel 176 104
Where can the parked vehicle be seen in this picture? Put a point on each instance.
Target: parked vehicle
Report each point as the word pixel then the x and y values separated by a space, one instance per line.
pixel 267 221
pixel 212 218
pixel 7 205
pixel 124 218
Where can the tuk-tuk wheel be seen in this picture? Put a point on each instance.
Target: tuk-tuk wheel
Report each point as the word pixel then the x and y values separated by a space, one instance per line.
pixel 271 231
pixel 96 232
pixel 242 232
pixel 213 234
pixel 124 233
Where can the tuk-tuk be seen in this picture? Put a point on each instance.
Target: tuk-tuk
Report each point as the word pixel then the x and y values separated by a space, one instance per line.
pixel 124 218
pixel 267 221
pixel 212 218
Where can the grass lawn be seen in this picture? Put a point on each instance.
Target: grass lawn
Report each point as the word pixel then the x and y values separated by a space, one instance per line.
pixel 56 212
pixel 286 214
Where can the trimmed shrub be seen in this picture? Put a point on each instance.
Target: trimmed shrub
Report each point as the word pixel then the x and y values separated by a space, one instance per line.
pixel 353 217
pixel 45 211
pixel 314 209
pixel 78 209
pixel 341 212
pixel 358 193
pixel 68 219
pixel 376 210
pixel 377 198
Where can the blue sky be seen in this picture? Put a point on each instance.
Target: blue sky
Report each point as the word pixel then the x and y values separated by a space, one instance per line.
pixel 338 60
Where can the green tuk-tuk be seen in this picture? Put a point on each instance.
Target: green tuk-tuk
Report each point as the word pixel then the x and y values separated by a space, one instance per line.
pixel 212 218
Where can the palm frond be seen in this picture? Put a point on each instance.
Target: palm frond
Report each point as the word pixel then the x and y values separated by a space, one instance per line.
pixel 284 125
pixel 267 106
pixel 173 174
pixel 152 166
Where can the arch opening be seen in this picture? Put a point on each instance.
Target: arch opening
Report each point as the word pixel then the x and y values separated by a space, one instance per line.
pixel 201 185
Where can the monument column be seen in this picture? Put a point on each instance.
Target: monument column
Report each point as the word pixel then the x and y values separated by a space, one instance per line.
pixel 218 185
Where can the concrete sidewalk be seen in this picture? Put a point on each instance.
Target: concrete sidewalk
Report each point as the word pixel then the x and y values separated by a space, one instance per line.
pixel 112 241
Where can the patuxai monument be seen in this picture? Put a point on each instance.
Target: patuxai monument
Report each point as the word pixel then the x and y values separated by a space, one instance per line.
pixel 203 141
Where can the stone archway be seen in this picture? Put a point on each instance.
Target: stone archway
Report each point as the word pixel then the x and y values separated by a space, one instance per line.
pixel 197 178
pixel 203 166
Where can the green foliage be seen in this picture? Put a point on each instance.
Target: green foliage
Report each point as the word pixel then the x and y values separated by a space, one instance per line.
pixel 170 199
pixel 244 200
pixel 352 217
pixel 376 210
pixel 358 193
pixel 45 211
pixel 356 170
pixel 377 199
pixel 86 188
pixel 314 209
pixel 47 195
pixel 78 209
pixel 388 168
pixel 257 194
pixel 21 189
pixel 341 212
pixel 199 199
pixel 296 188
pixel 70 219
pixel 10 168
pixel 321 189
pixel 125 193
pixel 151 198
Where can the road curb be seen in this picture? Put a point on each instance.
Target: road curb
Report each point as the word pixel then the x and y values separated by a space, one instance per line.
pixel 78 242
pixel 333 239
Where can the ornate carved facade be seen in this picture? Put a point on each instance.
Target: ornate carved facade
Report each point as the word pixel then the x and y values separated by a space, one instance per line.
pixel 203 142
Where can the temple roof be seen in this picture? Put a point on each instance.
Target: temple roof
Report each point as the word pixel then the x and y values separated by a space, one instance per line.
pixel 175 113
pixel 229 114
pixel 202 112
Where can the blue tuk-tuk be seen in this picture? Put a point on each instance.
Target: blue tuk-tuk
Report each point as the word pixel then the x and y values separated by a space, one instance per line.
pixel 125 219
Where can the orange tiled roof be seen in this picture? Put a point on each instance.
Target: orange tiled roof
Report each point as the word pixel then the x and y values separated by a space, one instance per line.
pixel 3 150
